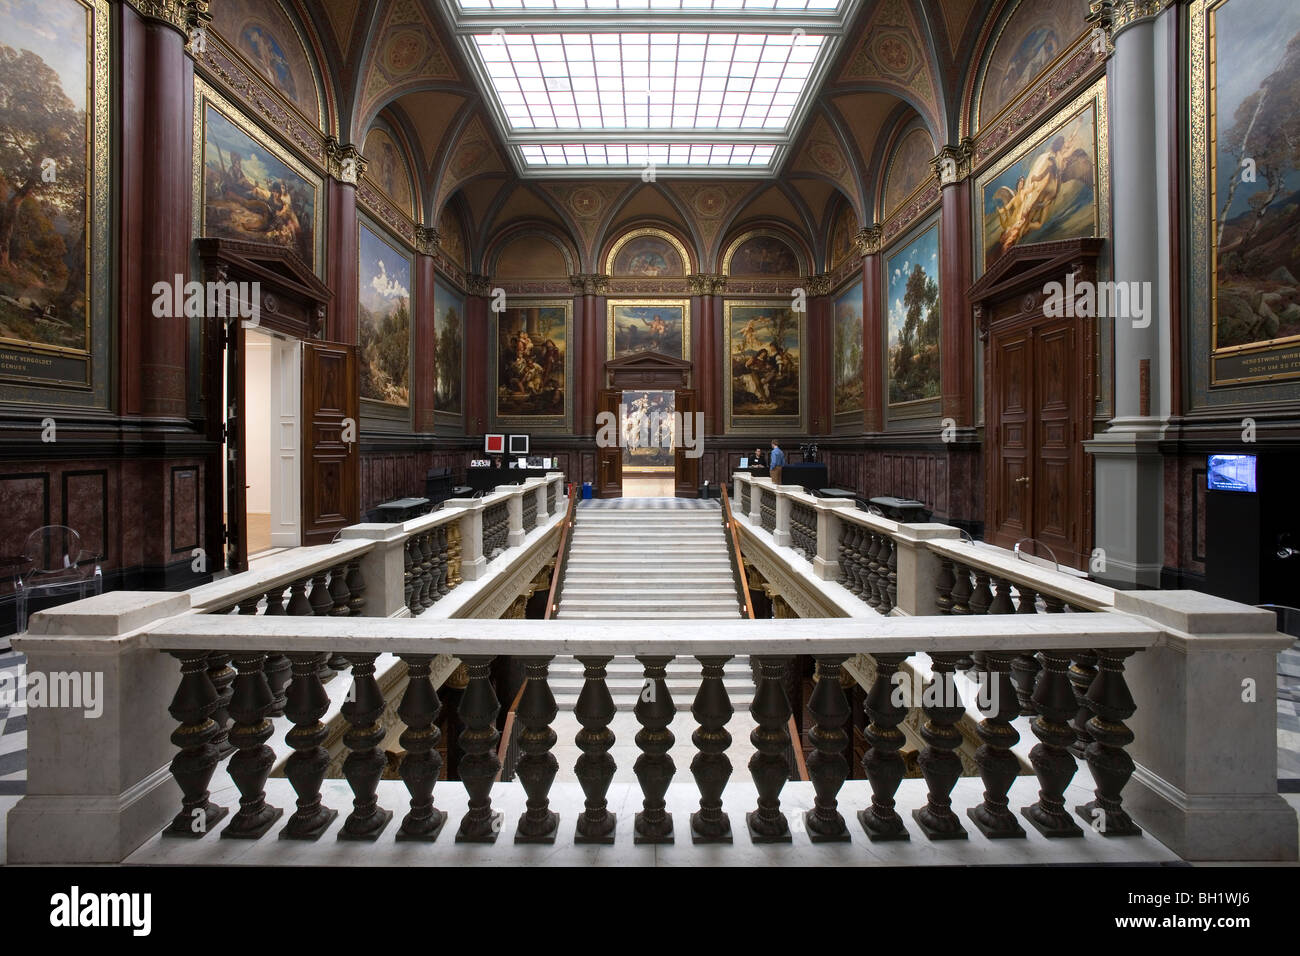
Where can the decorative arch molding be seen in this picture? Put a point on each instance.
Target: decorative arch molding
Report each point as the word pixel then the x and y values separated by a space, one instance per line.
pixel 768 229
pixel 825 144
pixel 375 165
pixel 471 134
pixel 628 234
pixel 838 207
pixel 532 229
pixel 909 148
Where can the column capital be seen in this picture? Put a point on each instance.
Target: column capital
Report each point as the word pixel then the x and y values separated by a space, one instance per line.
pixel 427 239
pixel 1113 16
pixel 867 242
pixel 344 161
pixel 476 284
pixel 953 164
pixel 705 284
pixel 589 283
pixel 184 15
pixel 818 285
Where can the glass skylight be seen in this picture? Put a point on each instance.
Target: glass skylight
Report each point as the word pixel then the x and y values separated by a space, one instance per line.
pixel 643 155
pixel 655 81
pixel 657 6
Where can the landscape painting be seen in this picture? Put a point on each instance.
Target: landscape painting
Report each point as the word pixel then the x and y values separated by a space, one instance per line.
pixel 532 365
pixel 647 256
pixel 912 310
pixel 1047 192
pixel 763 256
pixel 448 349
pixel 45 136
pixel 766 356
pixel 1255 187
pixel 649 326
pixel 848 350
pixel 385 320
pixel 252 193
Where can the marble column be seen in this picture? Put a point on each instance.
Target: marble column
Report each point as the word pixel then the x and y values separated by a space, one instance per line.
pixel 1129 468
pixel 953 167
pixel 424 377
pixel 873 342
pixel 478 352
pixel 346 166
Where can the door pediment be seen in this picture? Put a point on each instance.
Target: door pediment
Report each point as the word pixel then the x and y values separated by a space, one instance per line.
pixel 647 370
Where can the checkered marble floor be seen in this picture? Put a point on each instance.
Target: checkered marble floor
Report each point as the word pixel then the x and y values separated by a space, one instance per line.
pixel 13 734
pixel 652 504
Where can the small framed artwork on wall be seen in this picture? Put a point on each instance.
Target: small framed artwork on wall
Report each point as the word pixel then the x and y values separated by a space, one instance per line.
pixel 494 444
pixel 519 444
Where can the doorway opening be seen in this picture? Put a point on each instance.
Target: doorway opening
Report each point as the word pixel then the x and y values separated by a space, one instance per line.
pixel 649 441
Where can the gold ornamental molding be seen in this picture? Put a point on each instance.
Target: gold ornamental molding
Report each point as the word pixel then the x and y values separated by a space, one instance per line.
pixel 479 285
pixel 589 283
pixel 705 284
pixel 818 285
pixel 1113 16
pixel 184 15
pixel 427 240
pixel 344 161
pixel 953 164
pixel 867 242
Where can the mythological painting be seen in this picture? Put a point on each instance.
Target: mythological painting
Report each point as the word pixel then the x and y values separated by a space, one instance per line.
pixel 1254 179
pixel 766 354
pixel 647 422
pixel 848 349
pixel 913 319
pixel 264 36
pixel 1048 190
pixel 386 169
pixel 647 254
pixel 45 182
pixel 649 326
pixel 842 234
pixel 448 349
pixel 909 167
pixel 254 192
pixel 385 320
pixel 1035 35
pixel 532 363
pixel 761 255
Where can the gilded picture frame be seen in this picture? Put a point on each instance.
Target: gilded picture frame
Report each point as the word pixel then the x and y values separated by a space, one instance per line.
pixel 396 274
pixel 206 97
pixel 611 258
pixel 745 322
pixel 621 316
pixel 508 418
pixel 34 370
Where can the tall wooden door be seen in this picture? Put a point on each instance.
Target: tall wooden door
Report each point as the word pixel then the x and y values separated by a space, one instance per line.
pixel 331 469
pixel 236 431
pixel 1040 483
pixel 609 460
pixel 687 472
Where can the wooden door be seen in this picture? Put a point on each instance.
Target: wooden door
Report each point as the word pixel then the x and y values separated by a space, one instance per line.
pixel 687 470
pixel 331 471
pixel 609 460
pixel 236 516
pixel 1056 488
pixel 1010 461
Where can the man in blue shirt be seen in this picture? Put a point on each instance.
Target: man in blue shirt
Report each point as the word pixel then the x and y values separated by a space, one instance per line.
pixel 775 462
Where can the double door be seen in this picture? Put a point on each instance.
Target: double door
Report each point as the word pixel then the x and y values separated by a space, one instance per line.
pixel 609 460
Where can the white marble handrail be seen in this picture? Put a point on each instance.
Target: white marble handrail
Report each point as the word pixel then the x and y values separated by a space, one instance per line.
pixel 758 638
pixel 299 564
pixel 999 562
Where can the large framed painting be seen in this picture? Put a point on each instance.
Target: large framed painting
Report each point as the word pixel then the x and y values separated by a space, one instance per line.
pixel 913 320
pixel 384 314
pixel 249 187
pixel 1247 173
pixel 761 254
pixel 847 369
pixel 649 439
pixel 449 351
pixel 647 254
pixel 534 365
pixel 1055 186
pixel 766 388
pixel 649 325
pixel 54 160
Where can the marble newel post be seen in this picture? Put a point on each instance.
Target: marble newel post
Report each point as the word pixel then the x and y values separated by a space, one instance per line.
pixel 1129 468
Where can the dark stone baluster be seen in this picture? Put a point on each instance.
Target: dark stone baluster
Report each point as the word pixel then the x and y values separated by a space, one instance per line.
pixel 1111 766
pixel 408 576
pixel 1054 604
pixel 194 705
pixel 1002 598
pixel 478 763
pixel 1025 667
pixel 437 566
pixel 595 768
pixel 321 602
pixel 769 766
pixel 222 676
pixel 365 761
pixel 842 553
pixel 299 606
pixel 538 766
pixel 943 584
pixel 858 564
pixel 278 667
pixel 426 570
pixel 419 712
pixel 891 574
pixel 981 597
pixel 1028 603
pixel 338 591
pixel 444 587
pixel 654 769
pixel 253 759
pixel 1050 758
pixel 883 765
pixel 827 766
pixel 306 766
pixel 961 589
pixel 872 557
pixel 939 762
pixel 998 765
pixel 356 582
pixel 274 603
pixel 710 766
pixel 1083 670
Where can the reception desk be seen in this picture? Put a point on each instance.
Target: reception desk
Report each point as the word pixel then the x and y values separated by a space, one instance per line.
pixel 486 479
pixel 812 475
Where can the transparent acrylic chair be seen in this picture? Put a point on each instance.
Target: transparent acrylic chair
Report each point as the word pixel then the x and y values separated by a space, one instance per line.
pixel 54 564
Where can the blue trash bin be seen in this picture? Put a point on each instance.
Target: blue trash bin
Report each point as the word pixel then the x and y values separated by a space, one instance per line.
pixel 586 490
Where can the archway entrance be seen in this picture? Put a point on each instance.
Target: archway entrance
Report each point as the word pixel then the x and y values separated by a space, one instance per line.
pixel 648 397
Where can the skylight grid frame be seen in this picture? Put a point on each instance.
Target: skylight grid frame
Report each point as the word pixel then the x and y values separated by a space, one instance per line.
pixel 583 103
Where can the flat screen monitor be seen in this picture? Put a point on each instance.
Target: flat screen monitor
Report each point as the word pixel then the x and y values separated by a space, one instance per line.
pixel 1231 473
pixel 744 463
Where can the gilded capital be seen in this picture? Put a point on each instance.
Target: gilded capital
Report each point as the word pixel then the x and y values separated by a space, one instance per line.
pixel 953 163
pixel 427 239
pixel 344 161
pixel 867 242
pixel 818 285
pixel 589 283
pixel 1126 13
pixel 476 284
pixel 706 284
pixel 185 15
